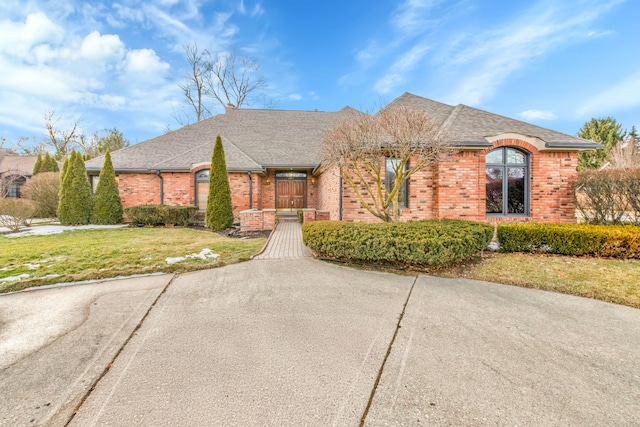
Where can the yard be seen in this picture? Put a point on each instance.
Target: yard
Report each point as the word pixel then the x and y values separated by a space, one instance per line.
pixel 611 280
pixel 106 253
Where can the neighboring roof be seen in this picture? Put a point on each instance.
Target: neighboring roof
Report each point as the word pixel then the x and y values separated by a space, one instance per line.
pixel 471 126
pixel 22 165
pixel 254 140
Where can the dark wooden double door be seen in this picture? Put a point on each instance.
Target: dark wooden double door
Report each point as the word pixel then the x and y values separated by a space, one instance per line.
pixel 291 194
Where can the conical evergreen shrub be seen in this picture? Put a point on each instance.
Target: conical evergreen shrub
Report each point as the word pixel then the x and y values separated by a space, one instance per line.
pixel 107 207
pixel 219 213
pixel 37 166
pixel 78 201
pixel 46 165
pixel 63 206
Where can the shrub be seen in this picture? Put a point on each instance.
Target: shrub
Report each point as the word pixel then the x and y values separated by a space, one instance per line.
pixel 153 215
pixel 37 167
pixel 219 213
pixel 76 201
pixel 107 207
pixel 418 243
pixel 43 190
pixel 609 196
pixel 15 213
pixel 571 239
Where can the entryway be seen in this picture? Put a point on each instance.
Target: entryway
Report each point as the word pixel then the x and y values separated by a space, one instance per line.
pixel 291 191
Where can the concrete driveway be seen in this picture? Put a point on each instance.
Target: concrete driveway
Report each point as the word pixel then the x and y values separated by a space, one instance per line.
pixel 301 342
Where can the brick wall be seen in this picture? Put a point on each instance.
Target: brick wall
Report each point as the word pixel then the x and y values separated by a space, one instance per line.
pixel 139 189
pixel 455 189
pixel 328 192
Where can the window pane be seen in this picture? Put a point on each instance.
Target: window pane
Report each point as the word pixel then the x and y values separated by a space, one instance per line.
pixel 515 192
pixel 202 175
pixel 390 180
pixel 203 194
pixel 495 156
pixel 494 190
pixel 514 156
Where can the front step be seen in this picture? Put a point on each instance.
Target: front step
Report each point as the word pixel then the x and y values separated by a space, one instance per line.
pixel 287 217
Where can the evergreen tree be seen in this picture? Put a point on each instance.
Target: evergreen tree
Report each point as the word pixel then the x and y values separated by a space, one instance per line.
pixel 219 213
pixel 607 132
pixel 54 164
pixel 107 208
pixel 46 165
pixel 37 166
pixel 78 203
pixel 63 211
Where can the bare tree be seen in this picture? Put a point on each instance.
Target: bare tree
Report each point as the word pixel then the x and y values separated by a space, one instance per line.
pixel 101 142
pixel 230 80
pixel 195 85
pixel 359 145
pixel 626 153
pixel 62 141
pixel 235 80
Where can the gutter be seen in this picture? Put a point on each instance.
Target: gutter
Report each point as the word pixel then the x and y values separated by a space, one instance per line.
pixel 161 187
pixel 250 190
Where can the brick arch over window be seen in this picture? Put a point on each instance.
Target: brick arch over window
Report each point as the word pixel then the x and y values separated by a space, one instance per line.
pixel 551 196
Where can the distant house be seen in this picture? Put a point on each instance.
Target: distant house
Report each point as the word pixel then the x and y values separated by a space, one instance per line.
pixel 505 170
pixel 14 172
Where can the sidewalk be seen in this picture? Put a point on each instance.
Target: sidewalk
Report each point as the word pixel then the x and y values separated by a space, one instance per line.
pixel 285 242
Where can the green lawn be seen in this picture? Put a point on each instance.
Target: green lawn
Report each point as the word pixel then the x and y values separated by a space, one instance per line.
pixel 97 254
pixel 611 280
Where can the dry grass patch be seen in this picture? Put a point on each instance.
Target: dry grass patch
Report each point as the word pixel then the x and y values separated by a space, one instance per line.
pixel 611 280
pixel 98 254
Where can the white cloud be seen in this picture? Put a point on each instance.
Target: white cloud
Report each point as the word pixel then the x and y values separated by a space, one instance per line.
pixel 98 47
pixel 145 61
pixel 533 115
pixel 19 38
pixel 295 97
pixel 492 56
pixel 618 97
pixel 412 16
pixel 397 72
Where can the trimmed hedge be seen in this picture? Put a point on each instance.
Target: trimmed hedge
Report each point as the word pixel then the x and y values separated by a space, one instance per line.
pixel 161 215
pixel 571 239
pixel 416 243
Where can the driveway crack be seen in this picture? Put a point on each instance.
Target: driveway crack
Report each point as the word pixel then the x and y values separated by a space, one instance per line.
pixel 386 356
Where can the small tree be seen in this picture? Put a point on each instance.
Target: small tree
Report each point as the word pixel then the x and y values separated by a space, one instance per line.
pixel 48 164
pixel 43 190
pixel 219 214
pixel 76 203
pixel 107 208
pixel 63 205
pixel 605 131
pixel 359 144
pixel 37 166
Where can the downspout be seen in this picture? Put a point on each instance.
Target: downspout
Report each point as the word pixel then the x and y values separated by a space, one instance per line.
pixel 340 203
pixel 161 187
pixel 250 190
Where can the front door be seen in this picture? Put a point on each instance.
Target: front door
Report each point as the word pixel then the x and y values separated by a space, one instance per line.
pixel 290 193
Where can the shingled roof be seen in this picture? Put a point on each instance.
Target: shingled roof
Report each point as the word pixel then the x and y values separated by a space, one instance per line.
pixel 254 140
pixel 470 126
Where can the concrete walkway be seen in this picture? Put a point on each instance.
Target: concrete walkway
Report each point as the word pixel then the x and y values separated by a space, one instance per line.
pixel 285 242
pixel 303 342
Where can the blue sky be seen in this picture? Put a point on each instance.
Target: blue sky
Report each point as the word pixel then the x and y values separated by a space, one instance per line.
pixel 117 64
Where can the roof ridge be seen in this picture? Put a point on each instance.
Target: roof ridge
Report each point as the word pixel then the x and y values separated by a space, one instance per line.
pixel 448 122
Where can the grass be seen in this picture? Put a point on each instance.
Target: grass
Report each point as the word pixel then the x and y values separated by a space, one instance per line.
pixel 610 280
pixel 106 253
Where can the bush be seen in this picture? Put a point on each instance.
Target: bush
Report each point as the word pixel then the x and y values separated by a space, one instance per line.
pixel 76 201
pixel 571 239
pixel 15 213
pixel 609 196
pixel 417 243
pixel 107 207
pixel 43 190
pixel 154 215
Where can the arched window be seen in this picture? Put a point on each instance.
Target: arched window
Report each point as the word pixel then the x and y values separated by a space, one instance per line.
pixel 507 182
pixel 202 188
